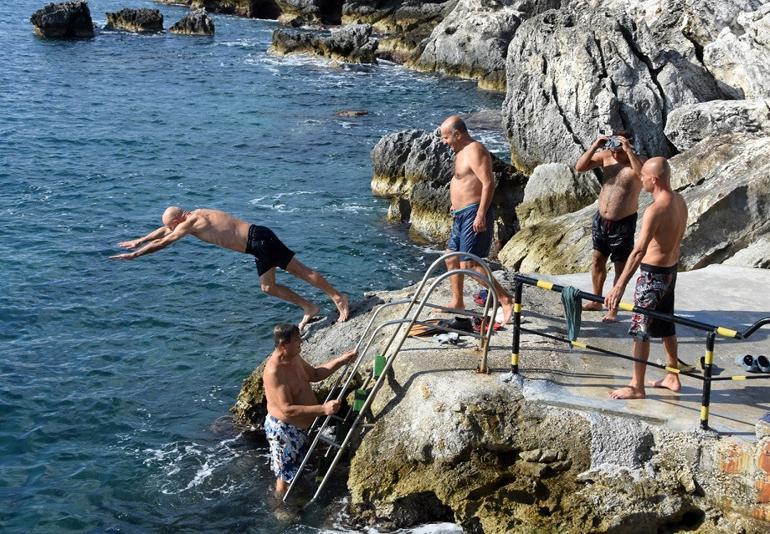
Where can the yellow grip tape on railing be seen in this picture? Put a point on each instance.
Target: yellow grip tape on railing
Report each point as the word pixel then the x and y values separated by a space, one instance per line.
pixel 544 285
pixel 709 358
pixel 672 370
pixel 737 378
pixel 726 332
pixel 704 413
pixel 579 344
pixel 514 358
pixel 626 306
pixel 516 307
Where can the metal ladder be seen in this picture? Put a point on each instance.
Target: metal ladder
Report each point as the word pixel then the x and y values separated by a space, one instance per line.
pixel 403 326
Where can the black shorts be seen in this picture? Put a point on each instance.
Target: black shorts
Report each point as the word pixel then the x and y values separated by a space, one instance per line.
pixel 654 291
pixel 614 239
pixel 267 249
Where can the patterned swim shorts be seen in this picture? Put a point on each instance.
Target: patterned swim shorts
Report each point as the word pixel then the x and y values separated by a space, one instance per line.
pixel 287 447
pixel 654 291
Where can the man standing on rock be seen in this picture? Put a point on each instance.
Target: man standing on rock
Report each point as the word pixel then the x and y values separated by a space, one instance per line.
pixel 291 404
pixel 657 251
pixel 614 224
pixel 224 230
pixel 470 192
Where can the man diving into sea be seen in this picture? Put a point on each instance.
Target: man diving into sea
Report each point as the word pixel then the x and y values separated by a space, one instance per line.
pixel 226 231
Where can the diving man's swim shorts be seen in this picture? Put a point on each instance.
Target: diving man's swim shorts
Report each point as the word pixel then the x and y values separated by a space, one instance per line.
pixel 267 249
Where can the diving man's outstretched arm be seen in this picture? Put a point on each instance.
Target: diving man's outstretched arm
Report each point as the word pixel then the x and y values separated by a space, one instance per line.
pixel 155 234
pixel 179 232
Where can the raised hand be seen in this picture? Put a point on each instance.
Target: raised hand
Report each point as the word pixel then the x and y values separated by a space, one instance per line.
pixel 129 244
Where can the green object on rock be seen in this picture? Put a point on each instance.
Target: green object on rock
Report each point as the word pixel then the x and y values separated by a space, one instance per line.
pixel 379 365
pixel 359 397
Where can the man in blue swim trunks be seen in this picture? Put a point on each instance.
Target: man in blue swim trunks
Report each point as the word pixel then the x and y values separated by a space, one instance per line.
pixel 471 191
pixel 291 404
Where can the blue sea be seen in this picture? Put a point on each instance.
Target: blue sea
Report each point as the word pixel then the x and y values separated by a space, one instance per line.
pixel 116 377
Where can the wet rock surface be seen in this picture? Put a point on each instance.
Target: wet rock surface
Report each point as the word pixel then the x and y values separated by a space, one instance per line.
pixel 353 43
pixel 197 22
pixel 64 20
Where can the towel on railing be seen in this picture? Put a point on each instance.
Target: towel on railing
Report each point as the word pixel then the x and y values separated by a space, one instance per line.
pixel 572 310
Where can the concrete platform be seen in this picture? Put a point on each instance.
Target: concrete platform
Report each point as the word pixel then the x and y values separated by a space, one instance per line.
pixel 554 373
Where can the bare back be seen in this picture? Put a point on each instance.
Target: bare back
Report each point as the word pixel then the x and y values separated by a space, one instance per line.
pixel 293 378
pixel 220 228
pixel 465 187
pixel 669 222
pixel 619 196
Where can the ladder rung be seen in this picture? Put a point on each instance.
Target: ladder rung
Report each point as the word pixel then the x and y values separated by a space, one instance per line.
pixel 337 417
pixel 328 441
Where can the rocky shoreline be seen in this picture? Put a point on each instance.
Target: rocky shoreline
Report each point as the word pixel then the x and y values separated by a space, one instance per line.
pixel 447 444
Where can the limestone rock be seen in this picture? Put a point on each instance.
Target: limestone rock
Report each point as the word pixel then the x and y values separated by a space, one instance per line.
pixel 404 23
pixel 555 189
pixel 197 22
pixel 416 167
pixel 756 255
pixel 135 20
pixel 740 59
pixel 311 11
pixel 347 44
pixel 572 76
pixel 688 125
pixel 68 19
pixel 261 9
pixel 471 42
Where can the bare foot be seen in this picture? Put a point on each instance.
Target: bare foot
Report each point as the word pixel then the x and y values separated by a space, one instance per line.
pixel 611 317
pixel 309 313
pixel 592 306
pixel 507 311
pixel 628 392
pixel 342 306
pixel 670 381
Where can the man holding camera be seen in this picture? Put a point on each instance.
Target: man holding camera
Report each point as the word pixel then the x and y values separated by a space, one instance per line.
pixel 614 224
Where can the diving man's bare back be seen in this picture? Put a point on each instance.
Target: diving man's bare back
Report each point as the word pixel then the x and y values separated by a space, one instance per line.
pixel 224 230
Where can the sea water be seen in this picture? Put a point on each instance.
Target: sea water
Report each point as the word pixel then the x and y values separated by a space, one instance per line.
pixel 116 377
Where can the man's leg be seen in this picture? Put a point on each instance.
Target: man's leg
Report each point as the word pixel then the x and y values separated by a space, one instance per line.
pixel 268 284
pixel 635 389
pixel 671 380
pixel 612 315
pixel 456 282
pixel 503 297
pixel 281 487
pixel 314 278
pixel 598 276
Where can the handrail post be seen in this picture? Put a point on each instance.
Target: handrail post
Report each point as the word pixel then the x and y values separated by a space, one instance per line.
pixel 708 364
pixel 517 291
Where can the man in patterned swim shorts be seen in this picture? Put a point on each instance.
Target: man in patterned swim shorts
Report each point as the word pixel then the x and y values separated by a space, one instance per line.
pixel 657 252
pixel 291 404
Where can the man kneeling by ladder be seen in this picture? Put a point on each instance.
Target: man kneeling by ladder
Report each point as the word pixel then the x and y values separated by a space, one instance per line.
pixel 291 404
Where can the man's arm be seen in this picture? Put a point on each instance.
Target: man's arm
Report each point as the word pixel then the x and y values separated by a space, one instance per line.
pixel 284 402
pixel 322 372
pixel 650 224
pixel 179 232
pixel 589 160
pixel 155 234
pixel 481 165
pixel 633 158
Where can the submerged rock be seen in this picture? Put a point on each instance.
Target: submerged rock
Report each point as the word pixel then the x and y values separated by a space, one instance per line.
pixel 196 22
pixel 348 44
pixel 688 125
pixel 413 168
pixel 135 20
pixel 68 19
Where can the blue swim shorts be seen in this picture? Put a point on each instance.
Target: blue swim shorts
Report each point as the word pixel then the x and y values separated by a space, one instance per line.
pixel 464 239
pixel 287 447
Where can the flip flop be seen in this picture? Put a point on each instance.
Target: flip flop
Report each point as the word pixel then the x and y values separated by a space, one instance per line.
pixel 461 323
pixel 763 363
pixel 747 363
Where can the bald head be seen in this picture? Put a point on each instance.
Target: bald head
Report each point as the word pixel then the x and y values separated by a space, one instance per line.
pixel 171 214
pixel 454 124
pixel 659 168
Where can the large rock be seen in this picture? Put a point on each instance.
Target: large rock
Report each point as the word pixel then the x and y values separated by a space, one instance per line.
pixel 69 19
pixel 688 125
pixel 135 20
pixel 555 189
pixel 472 42
pixel 413 168
pixel 404 23
pixel 196 22
pixel 262 9
pixel 347 44
pixel 311 11
pixel 740 58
